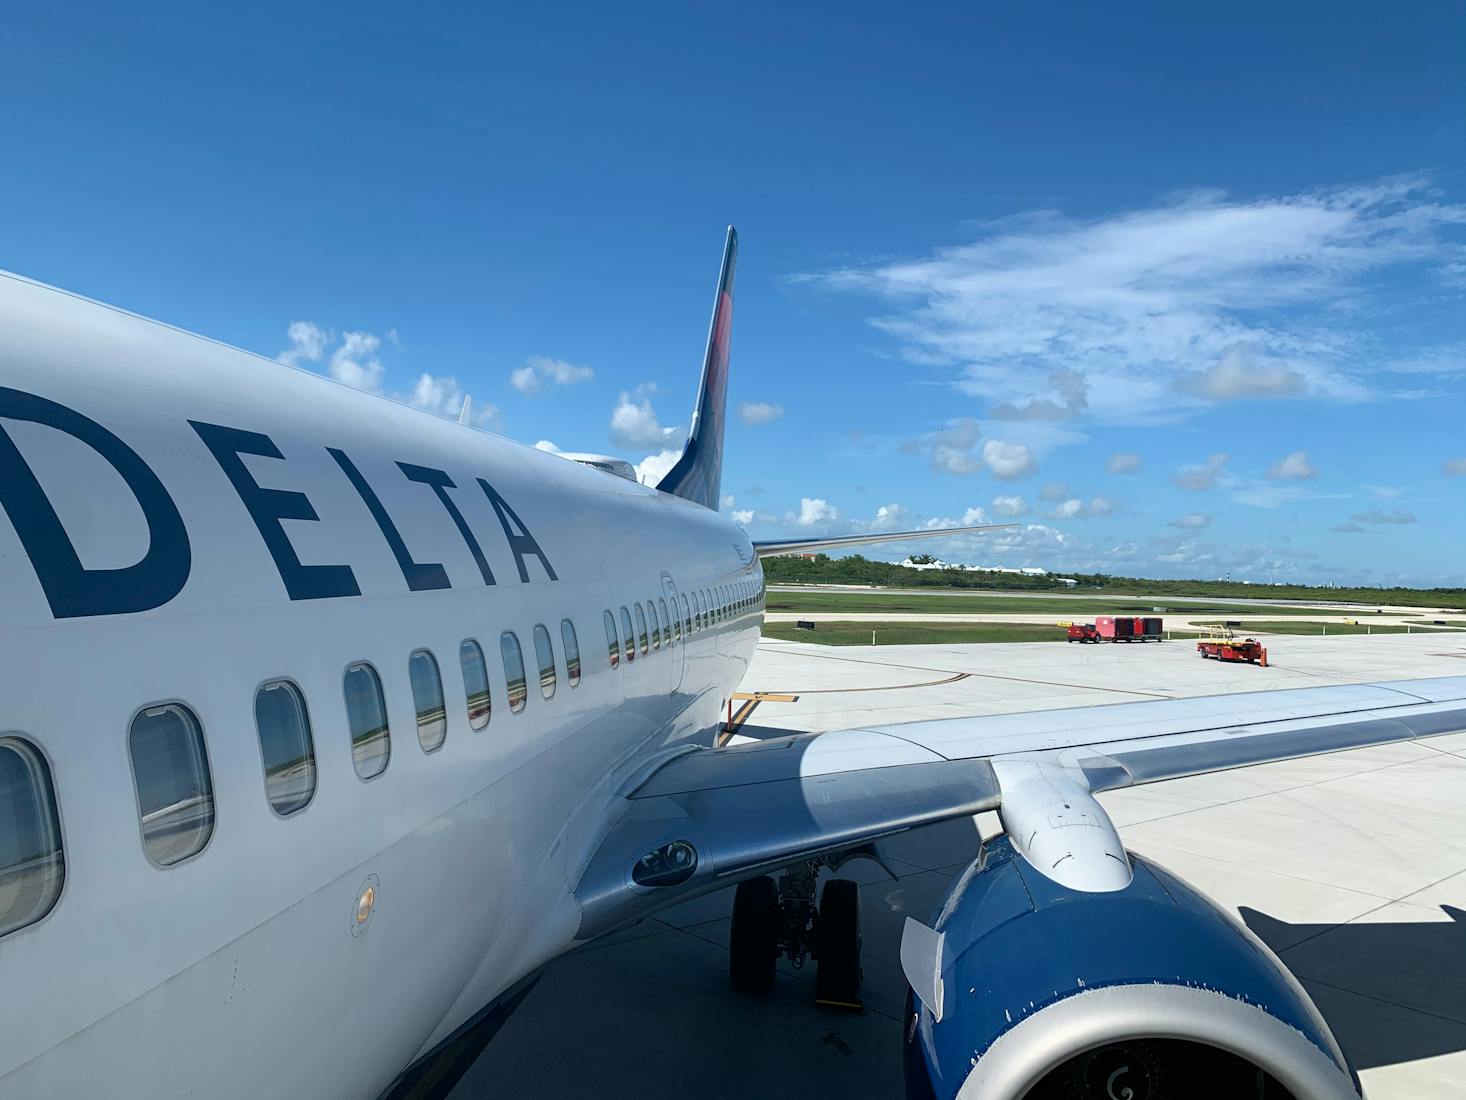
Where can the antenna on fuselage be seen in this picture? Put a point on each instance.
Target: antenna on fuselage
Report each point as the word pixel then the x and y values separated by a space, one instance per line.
pixel 467 408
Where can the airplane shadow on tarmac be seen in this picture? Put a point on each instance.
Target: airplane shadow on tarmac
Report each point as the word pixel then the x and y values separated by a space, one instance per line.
pixel 1393 991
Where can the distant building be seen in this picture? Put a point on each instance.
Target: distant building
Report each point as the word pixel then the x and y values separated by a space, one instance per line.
pixel 1025 571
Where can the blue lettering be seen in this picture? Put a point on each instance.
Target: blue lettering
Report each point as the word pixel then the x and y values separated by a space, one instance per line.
pixel 440 483
pixel 418 575
pixel 521 542
pixel 71 589
pixel 267 507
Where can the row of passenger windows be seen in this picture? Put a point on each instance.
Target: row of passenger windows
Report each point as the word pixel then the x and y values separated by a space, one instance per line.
pixel 657 624
pixel 172 777
pixel 170 764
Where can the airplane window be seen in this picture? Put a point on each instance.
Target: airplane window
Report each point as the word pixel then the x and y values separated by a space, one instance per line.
pixel 613 644
pixel 651 614
pixel 32 864
pixel 572 651
pixel 676 622
pixel 475 683
pixel 170 768
pixel 285 746
pixel 686 616
pixel 626 634
pixel 698 617
pixel 544 652
pixel 514 670
pixel 366 715
pixel 427 700
pixel 666 622
pixel 640 626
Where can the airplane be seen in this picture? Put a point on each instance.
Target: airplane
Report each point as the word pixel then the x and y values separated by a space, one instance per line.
pixel 329 723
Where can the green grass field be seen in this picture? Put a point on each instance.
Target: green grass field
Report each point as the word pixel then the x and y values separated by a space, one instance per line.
pixel 858 633
pixel 1294 626
pixel 958 603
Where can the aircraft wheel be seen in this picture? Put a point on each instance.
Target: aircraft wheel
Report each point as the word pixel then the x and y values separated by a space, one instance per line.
pixel 838 978
pixel 753 946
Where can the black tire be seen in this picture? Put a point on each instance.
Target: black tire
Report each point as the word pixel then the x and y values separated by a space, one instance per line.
pixel 838 978
pixel 753 945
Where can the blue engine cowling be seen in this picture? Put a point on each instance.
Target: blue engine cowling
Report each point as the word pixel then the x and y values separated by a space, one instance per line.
pixel 1145 993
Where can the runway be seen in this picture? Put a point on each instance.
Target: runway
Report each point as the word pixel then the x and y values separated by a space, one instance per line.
pixel 1351 866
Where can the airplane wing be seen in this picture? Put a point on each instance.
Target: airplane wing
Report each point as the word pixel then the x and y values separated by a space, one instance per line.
pixel 708 817
pixel 772 548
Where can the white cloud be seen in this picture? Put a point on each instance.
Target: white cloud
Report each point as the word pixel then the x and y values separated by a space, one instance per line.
pixel 1444 360
pixel 547 446
pixel 1124 462
pixel 1154 311
pixel 1201 478
pixel 443 397
pixel 953 448
pixel 308 342
pixel 437 395
pixel 525 380
pixel 1348 529
pixel 758 412
pixel 1242 372
pixel 539 369
pixel 1078 509
pixel 653 468
pixel 814 511
pixel 1008 507
pixel 1008 460
pixel 743 517
pixel 889 517
pixel 1067 396
pixel 726 502
pixel 355 361
pixel 1192 521
pixel 1054 490
pixel 1455 467
pixel 558 371
pixel 1294 467
pixel 1376 515
pixel 634 424
pixel 1068 509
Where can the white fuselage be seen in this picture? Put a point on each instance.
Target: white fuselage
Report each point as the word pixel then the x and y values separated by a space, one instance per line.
pixel 241 971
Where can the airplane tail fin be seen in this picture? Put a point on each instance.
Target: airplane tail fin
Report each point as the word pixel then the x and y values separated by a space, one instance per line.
pixel 698 474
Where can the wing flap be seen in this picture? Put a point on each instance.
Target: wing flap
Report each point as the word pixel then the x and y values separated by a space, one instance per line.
pixel 752 808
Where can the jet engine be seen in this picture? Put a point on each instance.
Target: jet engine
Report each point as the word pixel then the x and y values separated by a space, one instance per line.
pixel 1027 989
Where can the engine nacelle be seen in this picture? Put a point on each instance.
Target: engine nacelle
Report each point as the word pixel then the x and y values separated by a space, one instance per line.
pixel 1030 990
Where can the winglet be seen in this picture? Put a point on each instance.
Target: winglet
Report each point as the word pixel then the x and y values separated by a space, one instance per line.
pixel 698 474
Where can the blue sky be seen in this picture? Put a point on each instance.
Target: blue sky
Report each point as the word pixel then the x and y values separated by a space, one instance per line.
pixel 1182 292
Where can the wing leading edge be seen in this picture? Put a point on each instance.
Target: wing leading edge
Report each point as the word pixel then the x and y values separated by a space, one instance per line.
pixel 772 548
pixel 749 808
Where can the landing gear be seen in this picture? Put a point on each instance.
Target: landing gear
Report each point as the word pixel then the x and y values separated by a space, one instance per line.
pixel 837 982
pixel 753 946
pixel 772 919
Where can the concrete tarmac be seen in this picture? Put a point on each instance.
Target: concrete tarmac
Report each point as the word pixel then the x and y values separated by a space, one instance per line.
pixel 1351 866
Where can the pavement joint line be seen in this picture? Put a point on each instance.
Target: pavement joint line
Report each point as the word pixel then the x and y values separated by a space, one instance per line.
pixel 979 675
pixel 1264 794
pixel 1438 749
pixel 774 696
pixel 1385 1001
